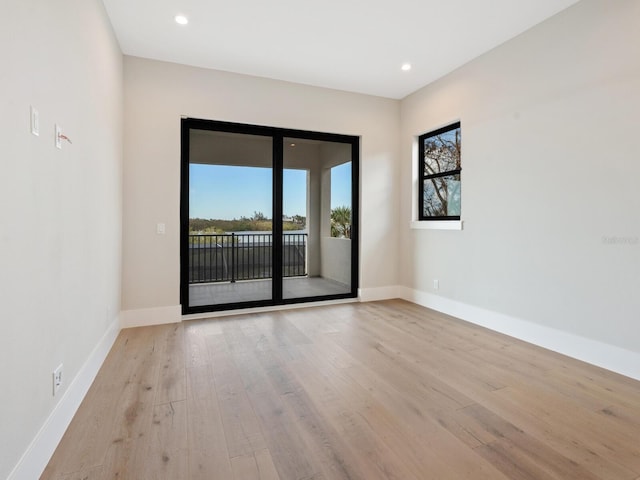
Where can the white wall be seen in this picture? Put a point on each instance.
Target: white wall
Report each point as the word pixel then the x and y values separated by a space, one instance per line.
pixel 157 94
pixel 60 210
pixel 336 259
pixel 551 163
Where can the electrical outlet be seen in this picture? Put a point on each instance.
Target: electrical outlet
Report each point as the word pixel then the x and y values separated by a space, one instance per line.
pixel 57 379
pixel 436 284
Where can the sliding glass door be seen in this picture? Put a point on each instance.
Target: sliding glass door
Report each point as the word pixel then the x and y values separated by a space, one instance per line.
pixel 317 196
pixel 268 216
pixel 230 218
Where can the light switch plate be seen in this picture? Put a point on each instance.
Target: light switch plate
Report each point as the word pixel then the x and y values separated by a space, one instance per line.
pixel 35 121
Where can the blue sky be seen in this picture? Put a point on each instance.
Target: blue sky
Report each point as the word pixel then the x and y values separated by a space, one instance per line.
pixel 341 185
pixel 227 192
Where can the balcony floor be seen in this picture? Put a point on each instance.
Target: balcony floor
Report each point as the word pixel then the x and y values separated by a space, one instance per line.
pixel 246 291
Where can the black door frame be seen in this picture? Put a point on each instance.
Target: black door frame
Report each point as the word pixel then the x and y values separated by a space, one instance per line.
pixel 277 135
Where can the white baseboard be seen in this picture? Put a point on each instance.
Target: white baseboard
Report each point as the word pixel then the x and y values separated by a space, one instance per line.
pixel 379 293
pixel 610 357
pixel 39 452
pixel 145 317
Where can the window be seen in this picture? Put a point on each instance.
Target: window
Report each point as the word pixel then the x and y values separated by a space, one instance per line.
pixel 439 169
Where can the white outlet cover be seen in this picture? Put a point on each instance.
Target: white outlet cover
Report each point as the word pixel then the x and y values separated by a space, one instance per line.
pixel 57 378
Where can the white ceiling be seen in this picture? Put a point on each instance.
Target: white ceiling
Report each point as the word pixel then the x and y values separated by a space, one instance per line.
pixel 353 45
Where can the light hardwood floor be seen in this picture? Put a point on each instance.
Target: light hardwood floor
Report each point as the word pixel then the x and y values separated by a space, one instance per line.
pixel 385 390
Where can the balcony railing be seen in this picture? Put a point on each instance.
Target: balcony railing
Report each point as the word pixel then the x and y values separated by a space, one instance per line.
pixel 244 256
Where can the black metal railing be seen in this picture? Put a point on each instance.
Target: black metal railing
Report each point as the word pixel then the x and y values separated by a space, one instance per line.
pixel 244 256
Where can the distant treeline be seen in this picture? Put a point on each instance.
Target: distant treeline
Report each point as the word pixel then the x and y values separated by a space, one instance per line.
pixel 203 225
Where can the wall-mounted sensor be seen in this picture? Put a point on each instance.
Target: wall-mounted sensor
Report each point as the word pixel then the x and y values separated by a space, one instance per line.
pixel 60 137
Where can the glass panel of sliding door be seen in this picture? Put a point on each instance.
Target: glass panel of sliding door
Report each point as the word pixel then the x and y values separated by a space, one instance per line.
pixel 317 218
pixel 230 218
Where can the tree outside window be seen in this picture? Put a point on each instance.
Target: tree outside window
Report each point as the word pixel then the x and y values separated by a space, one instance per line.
pixel 341 222
pixel 440 169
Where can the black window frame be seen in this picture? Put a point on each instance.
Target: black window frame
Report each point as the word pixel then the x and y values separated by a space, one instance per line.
pixel 422 176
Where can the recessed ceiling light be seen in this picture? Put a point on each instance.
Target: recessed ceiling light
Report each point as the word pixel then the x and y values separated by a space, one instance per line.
pixel 181 19
pixel 406 67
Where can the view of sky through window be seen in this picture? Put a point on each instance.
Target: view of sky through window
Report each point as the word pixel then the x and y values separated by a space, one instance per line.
pixel 228 192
